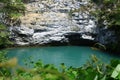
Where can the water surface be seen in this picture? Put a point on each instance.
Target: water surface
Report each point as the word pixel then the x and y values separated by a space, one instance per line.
pixel 70 55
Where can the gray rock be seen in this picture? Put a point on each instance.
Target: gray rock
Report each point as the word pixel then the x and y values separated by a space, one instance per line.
pixel 24 30
pixel 55 25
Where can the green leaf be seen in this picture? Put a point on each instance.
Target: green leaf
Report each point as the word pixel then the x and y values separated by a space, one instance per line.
pixel 118 76
pixel 1 78
pixel 116 71
pixel 96 77
pixel 114 63
pixel 104 78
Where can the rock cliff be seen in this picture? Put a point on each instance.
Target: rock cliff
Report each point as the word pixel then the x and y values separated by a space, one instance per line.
pixel 48 21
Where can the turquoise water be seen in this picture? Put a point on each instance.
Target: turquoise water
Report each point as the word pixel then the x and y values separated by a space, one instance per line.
pixel 70 55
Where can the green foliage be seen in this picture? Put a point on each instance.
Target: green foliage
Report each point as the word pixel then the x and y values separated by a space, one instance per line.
pixel 116 72
pixel 108 14
pixel 12 9
pixel 4 36
pixel 108 10
pixel 2 56
pixel 94 69
pixel 2 27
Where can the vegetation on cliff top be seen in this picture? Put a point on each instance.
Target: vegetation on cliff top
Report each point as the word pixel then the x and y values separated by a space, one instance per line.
pixel 12 10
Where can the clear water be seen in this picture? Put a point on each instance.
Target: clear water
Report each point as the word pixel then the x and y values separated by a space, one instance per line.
pixel 70 55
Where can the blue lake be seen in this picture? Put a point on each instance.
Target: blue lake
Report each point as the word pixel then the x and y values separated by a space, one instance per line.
pixel 70 55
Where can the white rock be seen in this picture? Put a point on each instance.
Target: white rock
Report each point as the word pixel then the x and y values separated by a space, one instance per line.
pixel 54 22
pixel 56 38
pixel 87 37
pixel 25 30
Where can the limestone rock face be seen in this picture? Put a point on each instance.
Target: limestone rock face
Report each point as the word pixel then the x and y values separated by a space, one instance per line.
pixel 49 21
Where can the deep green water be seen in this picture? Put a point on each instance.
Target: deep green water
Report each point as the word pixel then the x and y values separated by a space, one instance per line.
pixel 70 55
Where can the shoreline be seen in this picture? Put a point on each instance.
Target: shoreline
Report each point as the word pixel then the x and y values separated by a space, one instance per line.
pixel 57 44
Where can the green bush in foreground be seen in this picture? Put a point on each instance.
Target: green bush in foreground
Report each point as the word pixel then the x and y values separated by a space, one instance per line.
pixel 92 70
